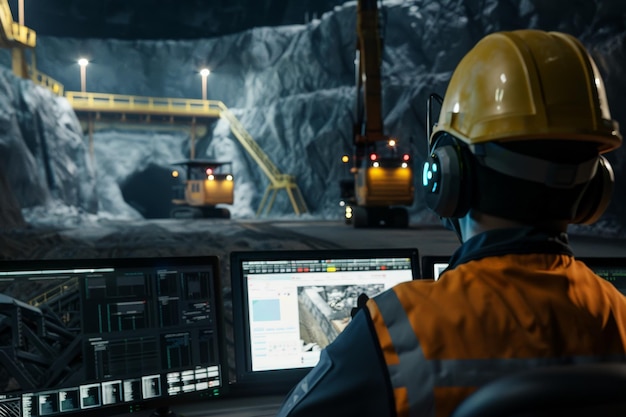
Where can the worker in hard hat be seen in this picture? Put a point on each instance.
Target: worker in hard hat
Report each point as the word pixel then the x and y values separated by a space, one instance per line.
pixel 515 157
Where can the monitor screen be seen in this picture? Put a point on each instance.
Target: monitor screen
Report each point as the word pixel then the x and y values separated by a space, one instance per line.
pixel 94 337
pixel 433 266
pixel 288 305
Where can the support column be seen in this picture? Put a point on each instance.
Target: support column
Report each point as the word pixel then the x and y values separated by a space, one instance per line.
pixel 192 148
pixel 20 66
pixel 90 124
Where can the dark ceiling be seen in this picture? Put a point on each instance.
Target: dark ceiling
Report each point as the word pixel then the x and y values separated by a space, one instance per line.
pixel 163 19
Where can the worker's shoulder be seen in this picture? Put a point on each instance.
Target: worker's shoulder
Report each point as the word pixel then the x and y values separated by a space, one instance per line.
pixel 420 289
pixel 452 284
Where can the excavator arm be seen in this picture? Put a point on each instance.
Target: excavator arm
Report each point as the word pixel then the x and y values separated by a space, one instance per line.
pixel 382 175
pixel 369 121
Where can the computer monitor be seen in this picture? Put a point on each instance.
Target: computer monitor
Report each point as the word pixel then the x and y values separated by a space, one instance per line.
pixel 611 269
pixel 97 337
pixel 434 265
pixel 288 305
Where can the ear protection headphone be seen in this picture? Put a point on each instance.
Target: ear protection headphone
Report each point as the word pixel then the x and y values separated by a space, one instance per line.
pixel 446 173
pixel 597 195
pixel 448 183
pixel 446 178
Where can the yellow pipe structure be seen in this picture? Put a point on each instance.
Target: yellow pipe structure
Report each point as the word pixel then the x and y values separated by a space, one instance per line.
pixel 18 37
pixel 193 108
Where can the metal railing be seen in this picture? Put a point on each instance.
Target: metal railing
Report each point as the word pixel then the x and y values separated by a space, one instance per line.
pixel 46 81
pixel 12 34
pixel 278 181
pixel 118 103
pixel 60 290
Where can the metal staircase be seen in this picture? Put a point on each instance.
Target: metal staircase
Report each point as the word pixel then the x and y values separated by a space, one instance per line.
pixel 278 180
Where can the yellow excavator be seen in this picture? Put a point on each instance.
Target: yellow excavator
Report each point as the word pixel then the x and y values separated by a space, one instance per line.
pixel 202 186
pixel 381 182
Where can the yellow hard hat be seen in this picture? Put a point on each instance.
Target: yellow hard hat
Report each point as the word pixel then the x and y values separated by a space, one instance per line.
pixel 525 85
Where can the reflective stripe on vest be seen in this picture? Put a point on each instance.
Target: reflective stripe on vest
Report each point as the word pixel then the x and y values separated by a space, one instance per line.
pixel 418 376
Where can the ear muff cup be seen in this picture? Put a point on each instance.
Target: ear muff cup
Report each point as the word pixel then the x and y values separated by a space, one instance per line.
pixel 597 194
pixel 446 180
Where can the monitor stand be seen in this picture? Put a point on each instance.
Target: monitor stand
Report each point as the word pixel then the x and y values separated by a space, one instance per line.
pixel 165 412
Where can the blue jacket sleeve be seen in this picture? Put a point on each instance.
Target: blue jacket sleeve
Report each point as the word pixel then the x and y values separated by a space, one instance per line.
pixel 349 380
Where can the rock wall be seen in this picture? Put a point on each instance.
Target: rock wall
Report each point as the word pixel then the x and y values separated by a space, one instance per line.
pixel 42 154
pixel 292 87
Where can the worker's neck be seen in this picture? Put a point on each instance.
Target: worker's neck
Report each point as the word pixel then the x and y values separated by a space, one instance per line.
pixel 476 222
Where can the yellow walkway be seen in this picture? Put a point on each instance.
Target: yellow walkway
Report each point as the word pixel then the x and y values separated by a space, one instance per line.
pixel 123 104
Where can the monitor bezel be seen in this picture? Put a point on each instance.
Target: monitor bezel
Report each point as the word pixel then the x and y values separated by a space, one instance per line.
pixel 281 381
pixel 427 263
pixel 163 402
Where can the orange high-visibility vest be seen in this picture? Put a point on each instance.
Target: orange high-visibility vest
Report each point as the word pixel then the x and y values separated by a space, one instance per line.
pixel 491 317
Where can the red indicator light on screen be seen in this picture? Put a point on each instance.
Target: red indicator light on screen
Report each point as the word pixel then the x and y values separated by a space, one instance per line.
pixel 373 157
pixel 405 157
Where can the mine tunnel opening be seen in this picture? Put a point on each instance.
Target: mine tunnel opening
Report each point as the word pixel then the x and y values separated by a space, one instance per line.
pixel 150 191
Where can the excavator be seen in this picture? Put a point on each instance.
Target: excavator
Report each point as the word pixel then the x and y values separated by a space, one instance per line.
pixel 381 174
pixel 203 184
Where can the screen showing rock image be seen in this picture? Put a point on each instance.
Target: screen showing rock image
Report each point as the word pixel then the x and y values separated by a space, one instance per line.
pixel 289 305
pixel 92 337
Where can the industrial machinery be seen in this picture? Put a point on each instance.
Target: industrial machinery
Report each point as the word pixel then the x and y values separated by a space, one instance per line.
pixel 203 185
pixel 381 182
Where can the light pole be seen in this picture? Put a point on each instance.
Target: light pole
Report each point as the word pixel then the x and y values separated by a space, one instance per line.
pixel 20 10
pixel 204 72
pixel 83 73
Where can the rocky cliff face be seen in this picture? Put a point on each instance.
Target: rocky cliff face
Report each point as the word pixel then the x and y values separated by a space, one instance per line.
pixel 292 87
pixel 42 155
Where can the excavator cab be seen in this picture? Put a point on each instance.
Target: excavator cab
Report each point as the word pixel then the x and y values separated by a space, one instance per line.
pixel 384 177
pixel 381 183
pixel 203 185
